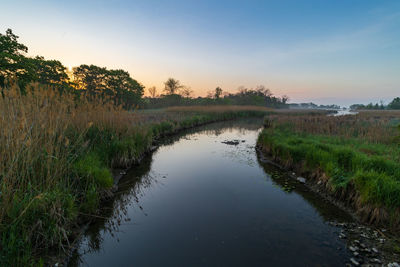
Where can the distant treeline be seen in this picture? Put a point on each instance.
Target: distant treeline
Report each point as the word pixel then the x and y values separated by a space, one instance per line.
pixel 312 106
pixel 394 104
pixel 116 85
pixel 179 95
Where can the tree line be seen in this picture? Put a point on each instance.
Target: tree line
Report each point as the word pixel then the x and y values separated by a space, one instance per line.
pixel 116 84
pixel 88 80
pixel 394 104
pixel 177 94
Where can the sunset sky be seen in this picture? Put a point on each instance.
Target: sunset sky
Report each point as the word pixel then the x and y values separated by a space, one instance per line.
pixel 340 52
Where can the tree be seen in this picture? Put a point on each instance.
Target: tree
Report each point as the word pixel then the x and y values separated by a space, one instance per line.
pixel 51 72
pixel 13 63
pixel 117 84
pixel 186 91
pixel 218 92
pixel 153 91
pixel 172 86
pixel 262 90
pixel 90 78
pixel 9 44
pixel 285 99
pixel 242 90
pixel 120 85
pixel 395 104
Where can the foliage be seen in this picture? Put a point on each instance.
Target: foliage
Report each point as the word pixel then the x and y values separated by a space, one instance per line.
pixel 12 59
pixel 354 151
pixel 372 106
pixel 90 80
pixel 218 92
pixel 395 104
pixel 172 86
pixel 375 176
pixel 255 97
pixel 117 84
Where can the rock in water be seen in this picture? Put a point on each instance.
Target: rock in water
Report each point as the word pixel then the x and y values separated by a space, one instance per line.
pixel 301 180
pixel 233 142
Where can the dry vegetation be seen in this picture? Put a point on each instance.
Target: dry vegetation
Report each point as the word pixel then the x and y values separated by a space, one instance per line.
pixel 43 135
pixel 216 108
pixel 57 152
pixel 371 126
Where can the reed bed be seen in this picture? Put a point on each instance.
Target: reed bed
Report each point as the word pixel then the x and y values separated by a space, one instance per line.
pixel 57 151
pixel 43 135
pixel 217 108
pixel 376 127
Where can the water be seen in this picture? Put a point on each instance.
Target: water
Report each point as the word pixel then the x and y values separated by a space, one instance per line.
pixel 344 112
pixel 199 202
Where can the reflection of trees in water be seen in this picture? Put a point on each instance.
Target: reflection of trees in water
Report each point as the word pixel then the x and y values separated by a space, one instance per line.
pixel 217 128
pixel 243 126
pixel 281 178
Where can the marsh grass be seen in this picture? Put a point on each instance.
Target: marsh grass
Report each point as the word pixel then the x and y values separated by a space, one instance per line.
pixel 57 151
pixel 355 152
pixel 373 127
pixel 218 108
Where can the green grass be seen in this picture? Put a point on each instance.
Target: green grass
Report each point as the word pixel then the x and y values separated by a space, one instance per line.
pixel 373 168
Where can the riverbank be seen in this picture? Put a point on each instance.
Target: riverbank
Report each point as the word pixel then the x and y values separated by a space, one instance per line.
pixel 221 180
pixel 355 158
pixel 365 243
pixel 58 157
pixel 352 161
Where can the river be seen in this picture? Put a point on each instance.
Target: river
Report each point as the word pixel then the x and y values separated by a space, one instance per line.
pixel 197 201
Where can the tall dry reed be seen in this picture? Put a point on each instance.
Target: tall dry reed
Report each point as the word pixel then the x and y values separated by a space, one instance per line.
pixel 371 126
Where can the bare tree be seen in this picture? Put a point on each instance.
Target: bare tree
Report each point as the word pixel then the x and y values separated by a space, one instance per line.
pixel 243 90
pixel 172 86
pixel 186 91
pixel 152 91
pixel 263 90
pixel 285 99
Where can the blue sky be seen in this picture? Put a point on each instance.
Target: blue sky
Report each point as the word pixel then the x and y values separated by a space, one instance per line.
pixel 323 51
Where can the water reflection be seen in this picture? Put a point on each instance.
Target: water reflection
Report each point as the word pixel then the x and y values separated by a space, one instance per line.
pixel 288 184
pixel 199 201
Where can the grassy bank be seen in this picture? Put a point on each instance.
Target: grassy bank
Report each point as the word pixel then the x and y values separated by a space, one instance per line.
pixel 57 153
pixel 354 158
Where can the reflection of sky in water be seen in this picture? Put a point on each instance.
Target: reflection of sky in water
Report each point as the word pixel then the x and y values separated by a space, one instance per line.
pixel 202 202
pixel 209 145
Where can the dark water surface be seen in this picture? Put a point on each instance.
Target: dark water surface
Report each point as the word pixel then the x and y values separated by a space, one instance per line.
pixel 199 202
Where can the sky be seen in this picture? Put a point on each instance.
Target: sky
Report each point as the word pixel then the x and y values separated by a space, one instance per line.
pixel 342 51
